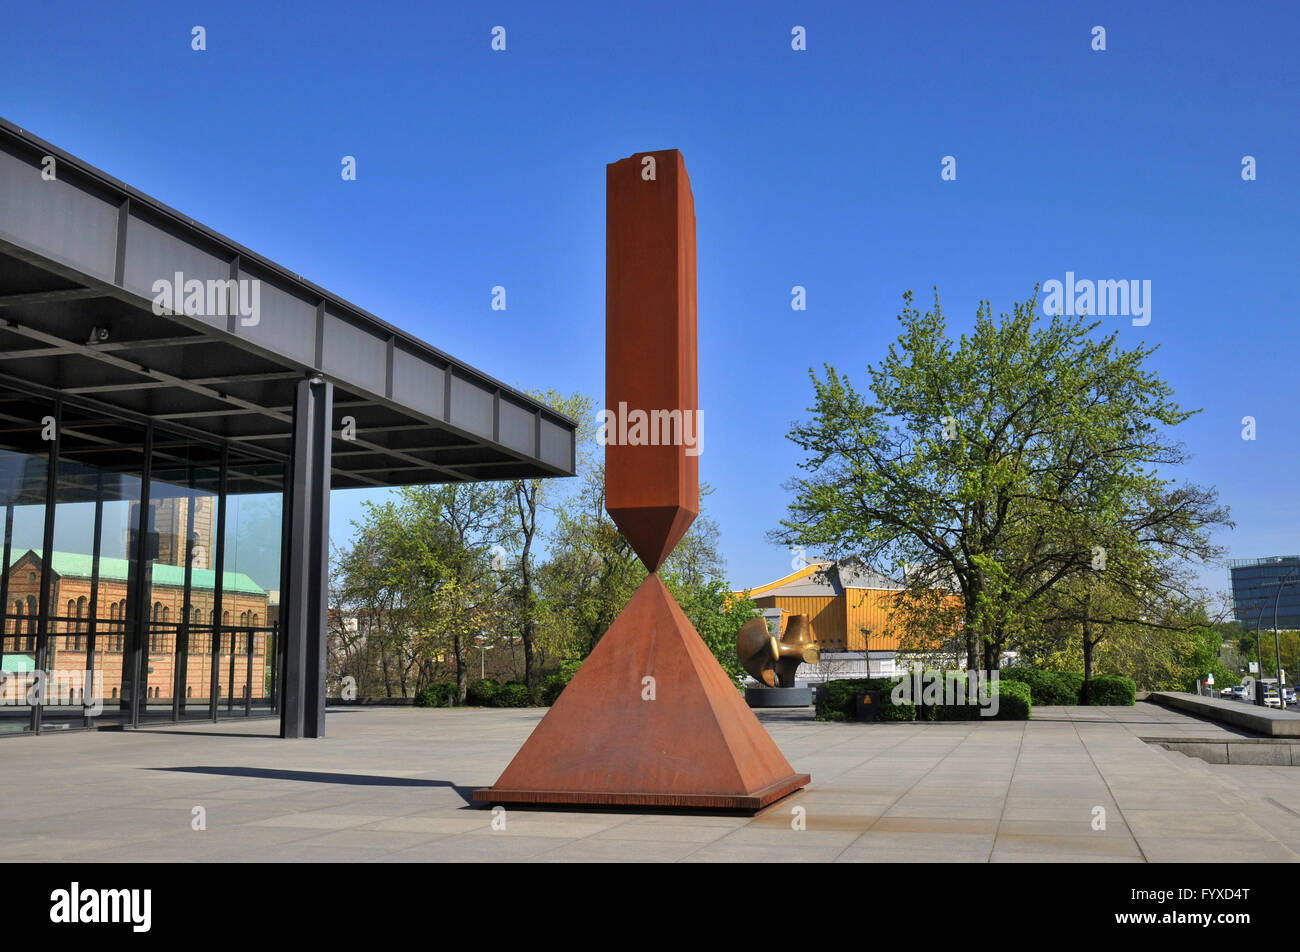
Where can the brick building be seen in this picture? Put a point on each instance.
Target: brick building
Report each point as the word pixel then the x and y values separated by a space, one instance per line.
pixel 244 609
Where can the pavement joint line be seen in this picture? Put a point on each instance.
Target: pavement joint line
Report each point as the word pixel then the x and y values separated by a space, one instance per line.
pixel 1282 806
pixel 1020 747
pixel 1109 790
pixel 951 750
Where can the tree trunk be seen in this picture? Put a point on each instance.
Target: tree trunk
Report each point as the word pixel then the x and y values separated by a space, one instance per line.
pixel 1087 645
pixel 992 654
pixel 462 684
pixel 526 499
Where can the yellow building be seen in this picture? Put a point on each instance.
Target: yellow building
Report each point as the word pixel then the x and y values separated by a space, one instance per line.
pixel 847 603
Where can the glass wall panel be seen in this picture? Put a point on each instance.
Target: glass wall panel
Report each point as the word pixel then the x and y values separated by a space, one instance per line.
pixel 247 666
pixel 183 495
pixel 138 623
pixel 25 425
pixel 101 460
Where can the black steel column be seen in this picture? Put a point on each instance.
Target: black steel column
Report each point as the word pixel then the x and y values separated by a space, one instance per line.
pixel 218 581
pixel 139 591
pixel 4 582
pixel 306 603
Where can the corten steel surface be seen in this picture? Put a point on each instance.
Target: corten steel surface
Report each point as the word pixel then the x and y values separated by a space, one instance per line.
pixel 651 492
pixel 696 744
pixel 650 719
pixel 774 662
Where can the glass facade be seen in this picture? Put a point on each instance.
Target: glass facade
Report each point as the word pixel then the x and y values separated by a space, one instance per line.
pixel 142 569
pixel 1257 584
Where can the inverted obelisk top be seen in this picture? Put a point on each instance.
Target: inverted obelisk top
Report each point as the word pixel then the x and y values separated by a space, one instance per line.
pixel 653 428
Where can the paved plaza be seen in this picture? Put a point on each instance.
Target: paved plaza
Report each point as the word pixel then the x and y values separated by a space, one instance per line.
pixel 392 784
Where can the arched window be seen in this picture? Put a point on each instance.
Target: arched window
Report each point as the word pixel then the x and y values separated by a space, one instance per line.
pixel 114 692
pixel 81 624
pixel 254 619
pixel 243 618
pixel 189 692
pixel 225 618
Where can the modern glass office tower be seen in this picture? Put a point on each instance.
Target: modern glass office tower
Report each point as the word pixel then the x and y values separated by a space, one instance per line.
pixel 1261 586
pixel 174 411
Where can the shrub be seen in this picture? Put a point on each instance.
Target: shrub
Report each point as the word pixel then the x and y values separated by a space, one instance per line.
pixel 551 689
pixel 954 712
pixel 895 712
pixel 1111 690
pixel 840 700
pixel 1046 687
pixel 482 693
pixel 436 695
pixel 1015 701
pixel 513 694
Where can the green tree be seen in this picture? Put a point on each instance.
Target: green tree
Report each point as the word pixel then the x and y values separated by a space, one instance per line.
pixel 522 503
pixel 986 464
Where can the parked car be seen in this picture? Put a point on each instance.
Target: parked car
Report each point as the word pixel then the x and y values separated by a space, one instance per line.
pixel 1288 695
pixel 1239 692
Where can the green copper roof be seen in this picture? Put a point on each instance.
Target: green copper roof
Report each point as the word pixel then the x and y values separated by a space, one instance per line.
pixel 76 565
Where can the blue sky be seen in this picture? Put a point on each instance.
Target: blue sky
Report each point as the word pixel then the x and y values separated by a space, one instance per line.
pixel 819 168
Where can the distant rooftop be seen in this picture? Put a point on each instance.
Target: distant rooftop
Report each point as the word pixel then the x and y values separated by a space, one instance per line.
pixel 76 565
pixel 1273 560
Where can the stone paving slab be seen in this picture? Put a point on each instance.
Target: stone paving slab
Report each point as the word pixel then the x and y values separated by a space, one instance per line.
pixel 391 784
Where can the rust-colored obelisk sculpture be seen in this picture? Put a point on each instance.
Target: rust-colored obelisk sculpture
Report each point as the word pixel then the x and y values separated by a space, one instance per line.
pixel 650 719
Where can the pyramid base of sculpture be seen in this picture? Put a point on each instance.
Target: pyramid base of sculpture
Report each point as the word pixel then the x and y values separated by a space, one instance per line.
pixel 649 720
pixel 681 801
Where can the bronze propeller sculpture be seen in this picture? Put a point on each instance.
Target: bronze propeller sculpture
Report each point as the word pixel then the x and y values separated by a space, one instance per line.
pixel 774 662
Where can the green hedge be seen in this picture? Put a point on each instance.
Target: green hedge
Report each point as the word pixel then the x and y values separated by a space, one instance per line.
pixel 838 704
pixel 1015 702
pixel 895 712
pixel 482 693
pixel 513 694
pixel 1110 689
pixel 437 695
pixel 489 693
pixel 1067 687
pixel 1047 687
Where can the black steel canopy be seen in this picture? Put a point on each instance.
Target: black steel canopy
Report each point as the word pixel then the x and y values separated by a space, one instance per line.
pixel 79 258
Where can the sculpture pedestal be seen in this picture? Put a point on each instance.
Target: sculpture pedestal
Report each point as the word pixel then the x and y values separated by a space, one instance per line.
pixel 778 697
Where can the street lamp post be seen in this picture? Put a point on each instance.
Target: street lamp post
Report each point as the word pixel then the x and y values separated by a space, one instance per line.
pixel 1277 639
pixel 1259 658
